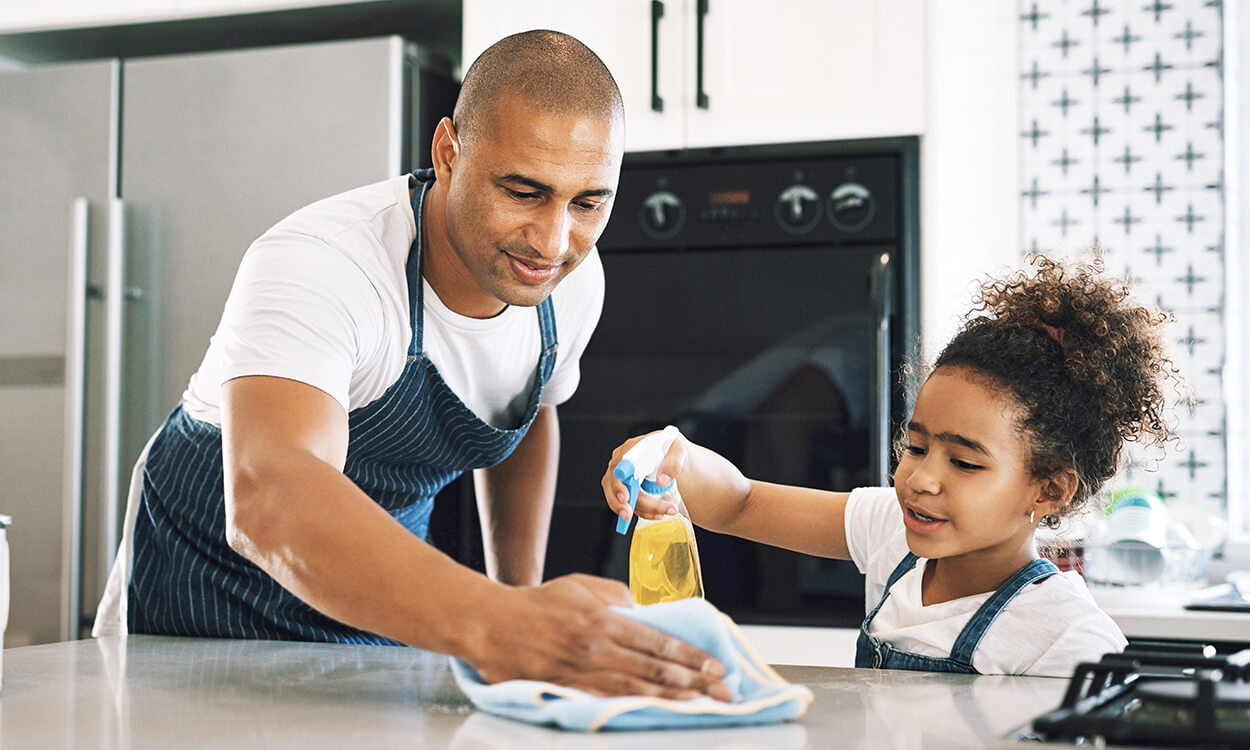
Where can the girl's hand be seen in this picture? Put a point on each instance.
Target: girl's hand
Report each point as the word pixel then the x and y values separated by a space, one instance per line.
pixel 648 506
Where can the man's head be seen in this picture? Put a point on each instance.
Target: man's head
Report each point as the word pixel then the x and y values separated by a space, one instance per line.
pixel 527 169
pixel 553 72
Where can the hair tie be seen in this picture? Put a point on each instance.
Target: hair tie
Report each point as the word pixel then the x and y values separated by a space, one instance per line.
pixel 1055 332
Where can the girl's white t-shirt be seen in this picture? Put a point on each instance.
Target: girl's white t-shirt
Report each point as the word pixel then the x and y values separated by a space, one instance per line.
pixel 322 298
pixel 1047 630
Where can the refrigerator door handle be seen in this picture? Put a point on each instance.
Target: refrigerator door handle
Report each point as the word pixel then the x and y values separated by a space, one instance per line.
pixel 75 416
pixel 115 293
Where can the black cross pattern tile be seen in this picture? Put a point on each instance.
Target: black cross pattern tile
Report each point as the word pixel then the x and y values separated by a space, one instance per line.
pixel 1121 142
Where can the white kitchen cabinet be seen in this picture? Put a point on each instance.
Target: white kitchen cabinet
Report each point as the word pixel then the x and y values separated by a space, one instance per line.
pixel 66 13
pixel 726 72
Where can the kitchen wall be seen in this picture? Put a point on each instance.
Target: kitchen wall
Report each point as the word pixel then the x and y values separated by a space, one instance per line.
pixel 980 209
pixel 1122 144
pixel 1237 229
pixel 970 169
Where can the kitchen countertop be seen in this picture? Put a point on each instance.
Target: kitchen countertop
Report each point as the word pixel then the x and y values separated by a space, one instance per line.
pixel 157 692
pixel 1159 612
pixel 1142 612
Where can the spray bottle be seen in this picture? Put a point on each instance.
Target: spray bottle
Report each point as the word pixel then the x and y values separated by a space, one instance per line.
pixel 663 556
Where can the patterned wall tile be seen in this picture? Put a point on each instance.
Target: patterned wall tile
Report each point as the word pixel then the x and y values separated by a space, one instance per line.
pixel 1121 143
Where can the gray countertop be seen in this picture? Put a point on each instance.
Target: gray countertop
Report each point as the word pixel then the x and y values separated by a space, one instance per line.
pixel 159 692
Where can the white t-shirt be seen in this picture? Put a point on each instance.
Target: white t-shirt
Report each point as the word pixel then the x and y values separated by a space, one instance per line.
pixel 1048 629
pixel 322 298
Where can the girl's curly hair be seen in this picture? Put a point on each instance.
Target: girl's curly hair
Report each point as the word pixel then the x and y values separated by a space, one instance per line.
pixel 1086 362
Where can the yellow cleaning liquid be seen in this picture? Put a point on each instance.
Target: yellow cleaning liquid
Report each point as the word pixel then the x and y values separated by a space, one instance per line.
pixel 664 562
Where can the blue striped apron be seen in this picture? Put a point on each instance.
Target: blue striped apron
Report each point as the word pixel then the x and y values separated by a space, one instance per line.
pixel 402 449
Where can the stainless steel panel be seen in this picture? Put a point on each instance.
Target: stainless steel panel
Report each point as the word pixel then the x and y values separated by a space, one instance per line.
pixel 32 370
pixel 216 148
pixel 30 464
pixel 208 150
pixel 54 144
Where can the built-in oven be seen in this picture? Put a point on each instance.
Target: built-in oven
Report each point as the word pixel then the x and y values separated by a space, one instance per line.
pixel 762 299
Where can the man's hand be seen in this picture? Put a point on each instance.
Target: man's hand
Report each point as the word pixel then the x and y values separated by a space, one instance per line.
pixel 564 632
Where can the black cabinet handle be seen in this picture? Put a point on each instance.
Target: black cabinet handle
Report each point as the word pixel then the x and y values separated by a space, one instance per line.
pixel 700 94
pixel 657 12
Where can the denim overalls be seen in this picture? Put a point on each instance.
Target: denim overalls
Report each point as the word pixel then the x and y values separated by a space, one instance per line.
pixel 873 652
pixel 402 449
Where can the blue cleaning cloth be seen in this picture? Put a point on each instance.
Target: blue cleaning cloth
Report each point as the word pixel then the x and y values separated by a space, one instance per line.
pixel 761 696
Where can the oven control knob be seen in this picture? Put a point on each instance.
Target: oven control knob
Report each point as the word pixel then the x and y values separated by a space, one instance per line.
pixel 851 206
pixel 798 209
pixel 662 215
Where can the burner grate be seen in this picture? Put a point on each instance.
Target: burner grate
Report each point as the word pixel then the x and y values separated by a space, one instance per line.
pixel 1156 695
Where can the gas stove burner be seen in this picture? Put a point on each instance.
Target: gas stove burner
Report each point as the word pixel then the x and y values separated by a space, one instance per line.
pixel 1178 691
pixel 1183 696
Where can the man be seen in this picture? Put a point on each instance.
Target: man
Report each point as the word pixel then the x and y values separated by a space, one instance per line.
pixel 377 344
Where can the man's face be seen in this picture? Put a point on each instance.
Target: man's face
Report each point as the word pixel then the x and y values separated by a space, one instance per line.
pixel 527 199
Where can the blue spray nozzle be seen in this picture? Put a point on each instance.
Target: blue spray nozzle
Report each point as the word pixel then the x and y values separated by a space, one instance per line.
pixel 655 488
pixel 639 464
pixel 624 471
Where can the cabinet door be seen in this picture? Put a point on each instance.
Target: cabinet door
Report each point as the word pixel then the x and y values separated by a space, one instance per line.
pixel 621 33
pixel 809 70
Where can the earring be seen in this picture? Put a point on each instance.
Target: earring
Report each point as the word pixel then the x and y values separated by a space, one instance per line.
pixel 1032 514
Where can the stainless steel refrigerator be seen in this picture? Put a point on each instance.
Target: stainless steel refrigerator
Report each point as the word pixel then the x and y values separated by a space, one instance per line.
pixel 131 188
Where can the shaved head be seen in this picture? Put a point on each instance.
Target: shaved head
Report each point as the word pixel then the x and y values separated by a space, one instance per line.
pixel 551 72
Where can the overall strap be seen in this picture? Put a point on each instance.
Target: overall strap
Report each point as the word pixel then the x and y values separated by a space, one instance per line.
pixel 906 564
pixel 868 648
pixel 976 628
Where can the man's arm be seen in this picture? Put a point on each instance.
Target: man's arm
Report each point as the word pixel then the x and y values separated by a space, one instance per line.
pixel 514 500
pixel 291 511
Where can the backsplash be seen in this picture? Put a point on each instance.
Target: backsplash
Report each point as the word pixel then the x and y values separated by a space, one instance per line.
pixel 1122 144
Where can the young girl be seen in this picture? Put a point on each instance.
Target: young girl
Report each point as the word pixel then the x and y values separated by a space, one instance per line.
pixel 1020 422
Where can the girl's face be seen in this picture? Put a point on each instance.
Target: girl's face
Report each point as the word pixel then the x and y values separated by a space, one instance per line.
pixel 963 482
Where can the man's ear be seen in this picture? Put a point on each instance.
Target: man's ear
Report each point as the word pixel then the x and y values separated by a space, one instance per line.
pixel 1058 490
pixel 444 149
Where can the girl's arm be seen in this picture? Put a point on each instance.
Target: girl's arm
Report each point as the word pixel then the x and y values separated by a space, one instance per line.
pixel 721 499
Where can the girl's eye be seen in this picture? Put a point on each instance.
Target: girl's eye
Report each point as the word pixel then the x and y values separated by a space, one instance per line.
pixel 965 465
pixel 915 450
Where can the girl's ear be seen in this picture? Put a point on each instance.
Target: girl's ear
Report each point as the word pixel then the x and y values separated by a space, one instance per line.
pixel 1058 489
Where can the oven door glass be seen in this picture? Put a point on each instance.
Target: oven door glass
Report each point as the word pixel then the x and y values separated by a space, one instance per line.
pixel 763 355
